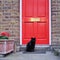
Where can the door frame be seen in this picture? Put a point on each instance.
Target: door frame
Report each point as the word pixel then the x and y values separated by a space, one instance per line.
pixel 21 22
pixel 50 22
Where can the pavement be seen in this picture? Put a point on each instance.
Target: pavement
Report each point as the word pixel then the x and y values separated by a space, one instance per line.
pixel 20 56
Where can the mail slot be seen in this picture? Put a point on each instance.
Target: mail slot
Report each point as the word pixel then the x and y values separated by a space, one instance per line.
pixel 34 19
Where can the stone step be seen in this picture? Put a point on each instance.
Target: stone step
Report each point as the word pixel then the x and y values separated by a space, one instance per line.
pixel 36 48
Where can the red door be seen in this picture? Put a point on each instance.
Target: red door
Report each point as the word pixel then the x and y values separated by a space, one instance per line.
pixel 35 21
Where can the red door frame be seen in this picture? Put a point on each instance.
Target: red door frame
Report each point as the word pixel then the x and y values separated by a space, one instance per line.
pixel 21 22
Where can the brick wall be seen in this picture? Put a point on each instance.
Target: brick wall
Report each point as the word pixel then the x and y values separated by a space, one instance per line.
pixel 55 22
pixel 9 18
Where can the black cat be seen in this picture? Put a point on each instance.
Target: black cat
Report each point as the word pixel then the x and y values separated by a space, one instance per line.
pixel 31 45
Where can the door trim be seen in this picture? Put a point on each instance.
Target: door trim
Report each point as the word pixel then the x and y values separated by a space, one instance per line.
pixel 21 22
pixel 49 22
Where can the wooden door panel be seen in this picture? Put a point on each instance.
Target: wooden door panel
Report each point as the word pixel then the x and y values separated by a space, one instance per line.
pixel 29 7
pixel 28 30
pixel 41 7
pixel 42 41
pixel 41 30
